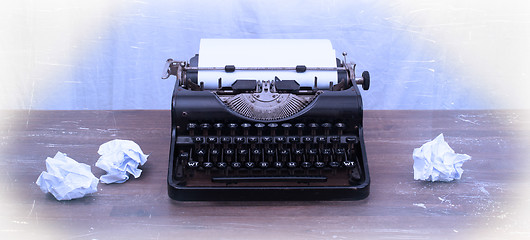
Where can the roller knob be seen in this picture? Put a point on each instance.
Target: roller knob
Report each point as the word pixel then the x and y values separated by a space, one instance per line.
pixel 366 80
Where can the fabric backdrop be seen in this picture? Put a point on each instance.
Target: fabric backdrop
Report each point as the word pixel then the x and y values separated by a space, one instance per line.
pixel 110 54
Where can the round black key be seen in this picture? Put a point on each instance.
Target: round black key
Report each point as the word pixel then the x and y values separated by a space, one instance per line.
pixel 198 139
pixel 273 127
pixel 326 151
pixel 270 152
pixel 236 164
pixel 321 139
pixel 193 164
pixel 205 126
pixel 242 152
pixel 313 151
pixel 306 164
pixel 232 127
pixel 314 127
pixel 326 127
pixel 191 126
pixel 252 139
pixel 229 152
pixel 266 139
pixel 280 140
pixel 218 127
pixel 264 164
pixel 300 127
pixel 352 139
pixel 292 164
pixel 207 164
pixel 339 151
pixel 256 152
pixel 340 127
pixel 259 127
pixel 225 140
pixel 249 164
pixel 222 165
pixel 308 139
pixel 334 164
pixel 286 127
pixel 319 164
pixel 184 156
pixel 200 152
pixel 278 164
pixel 245 127
pixel 211 139
pixel 239 139
pixel 348 164
pixel 294 139
pixel 334 139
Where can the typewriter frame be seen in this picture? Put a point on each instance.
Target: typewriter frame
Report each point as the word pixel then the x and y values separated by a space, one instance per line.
pixel 191 103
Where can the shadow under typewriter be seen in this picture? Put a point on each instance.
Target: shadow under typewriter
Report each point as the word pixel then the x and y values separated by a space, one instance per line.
pixel 267 139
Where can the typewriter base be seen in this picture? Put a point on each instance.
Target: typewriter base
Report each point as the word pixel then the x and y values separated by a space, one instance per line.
pixel 185 193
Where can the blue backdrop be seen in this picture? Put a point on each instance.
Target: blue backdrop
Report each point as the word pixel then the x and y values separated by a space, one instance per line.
pixel 110 54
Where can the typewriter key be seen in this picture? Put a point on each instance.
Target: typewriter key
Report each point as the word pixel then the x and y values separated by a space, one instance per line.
pixel 300 127
pixel 259 127
pixel 326 127
pixel 193 164
pixel 286 127
pixel 232 127
pixel 314 127
pixel 273 127
pixel 236 164
pixel 191 128
pixel 245 127
pixel 218 128
pixel 340 127
pixel 205 127
pixel 222 165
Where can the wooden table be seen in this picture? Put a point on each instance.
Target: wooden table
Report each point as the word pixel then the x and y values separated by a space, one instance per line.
pixel 491 199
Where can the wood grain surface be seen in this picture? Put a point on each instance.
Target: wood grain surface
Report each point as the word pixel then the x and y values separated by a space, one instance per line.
pixel 490 200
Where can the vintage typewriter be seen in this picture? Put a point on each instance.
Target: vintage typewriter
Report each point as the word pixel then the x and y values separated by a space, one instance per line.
pixel 235 137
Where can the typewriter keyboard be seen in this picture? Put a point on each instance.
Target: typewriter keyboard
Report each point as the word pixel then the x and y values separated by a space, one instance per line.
pixel 229 153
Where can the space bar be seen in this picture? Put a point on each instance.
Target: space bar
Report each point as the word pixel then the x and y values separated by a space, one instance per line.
pixel 270 179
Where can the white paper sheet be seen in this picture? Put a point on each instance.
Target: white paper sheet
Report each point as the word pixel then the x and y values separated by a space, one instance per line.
pixel 119 158
pixel 266 53
pixel 437 161
pixel 67 179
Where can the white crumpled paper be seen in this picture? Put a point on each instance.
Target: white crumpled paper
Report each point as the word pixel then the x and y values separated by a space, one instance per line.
pixel 67 179
pixel 436 161
pixel 119 158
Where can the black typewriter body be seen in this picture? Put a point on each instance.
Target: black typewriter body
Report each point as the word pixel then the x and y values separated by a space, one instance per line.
pixel 266 139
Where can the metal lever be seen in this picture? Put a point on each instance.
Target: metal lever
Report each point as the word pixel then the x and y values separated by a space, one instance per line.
pixel 167 71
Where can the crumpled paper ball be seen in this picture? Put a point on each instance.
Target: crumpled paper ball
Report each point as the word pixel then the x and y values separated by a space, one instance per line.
pixel 67 179
pixel 119 158
pixel 437 161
